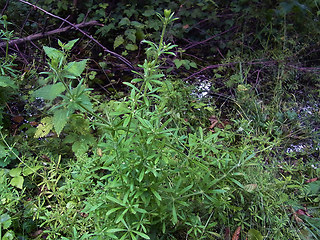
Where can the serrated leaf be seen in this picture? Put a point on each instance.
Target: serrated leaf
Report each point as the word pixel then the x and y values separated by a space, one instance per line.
pixel 75 68
pixel 49 92
pixel 118 41
pixel 17 182
pixel 60 119
pixel 52 53
pixel 44 127
pixel 15 172
pixel 70 44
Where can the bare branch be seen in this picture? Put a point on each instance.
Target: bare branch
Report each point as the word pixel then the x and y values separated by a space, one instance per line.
pixel 42 35
pixel 124 60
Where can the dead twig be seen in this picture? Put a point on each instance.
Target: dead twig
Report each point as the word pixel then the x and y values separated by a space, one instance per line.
pixel 124 60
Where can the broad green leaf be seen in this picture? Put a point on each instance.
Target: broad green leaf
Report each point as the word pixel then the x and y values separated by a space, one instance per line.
pixel 49 92
pixel 254 235
pixel 5 221
pixel 9 235
pixel 137 24
pixel 118 41
pixel 148 13
pixel 44 127
pixel 124 21
pixel 193 64
pixel 29 170
pixel 178 63
pixel 15 172
pixel 6 81
pixel 131 35
pixel 53 54
pixel 75 68
pixel 17 182
pixel 3 151
pixel 60 119
pixel 131 47
pixel 70 44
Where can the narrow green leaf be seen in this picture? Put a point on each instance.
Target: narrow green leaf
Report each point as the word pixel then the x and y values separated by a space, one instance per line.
pixel 145 236
pixel 174 215
pixel 112 210
pixel 112 199
pixel 120 217
pixel 156 194
pixel 113 230
pixel 141 175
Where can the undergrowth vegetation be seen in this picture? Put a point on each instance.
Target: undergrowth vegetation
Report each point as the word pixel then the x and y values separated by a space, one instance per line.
pixel 160 157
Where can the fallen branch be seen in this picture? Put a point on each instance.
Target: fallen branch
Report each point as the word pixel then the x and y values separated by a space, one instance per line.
pixel 124 60
pixel 42 35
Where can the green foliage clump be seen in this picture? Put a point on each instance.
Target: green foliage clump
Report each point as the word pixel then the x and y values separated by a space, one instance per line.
pixel 160 163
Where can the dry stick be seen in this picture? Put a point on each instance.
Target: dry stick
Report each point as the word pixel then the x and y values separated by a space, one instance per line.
pixel 84 33
pixel 5 7
pixel 26 19
pixel 41 35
